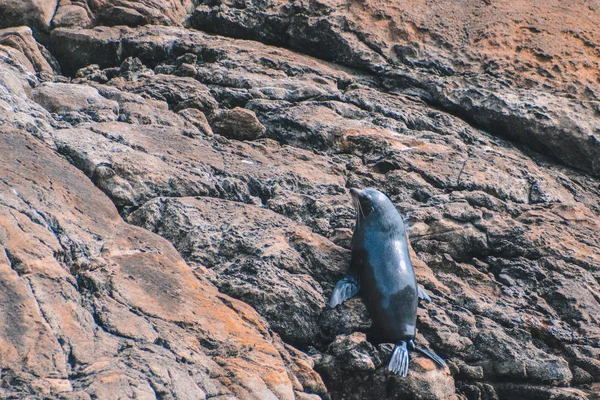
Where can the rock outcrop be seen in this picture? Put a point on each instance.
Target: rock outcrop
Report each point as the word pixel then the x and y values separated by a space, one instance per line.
pixel 174 210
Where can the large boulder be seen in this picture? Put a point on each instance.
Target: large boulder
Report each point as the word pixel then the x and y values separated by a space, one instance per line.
pixel 34 13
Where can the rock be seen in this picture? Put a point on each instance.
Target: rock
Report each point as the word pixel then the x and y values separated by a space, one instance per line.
pixel 180 93
pixel 34 13
pixel 464 226
pixel 43 15
pixel 134 13
pixel 515 360
pixel 72 14
pixel 198 119
pixel 37 59
pixel 302 29
pixel 263 261
pixel 132 65
pixel 351 358
pixel 75 103
pixel 430 65
pixel 581 376
pixel 104 49
pixel 479 122
pixel 96 337
pixel 536 392
pixel 16 110
pixel 145 157
pixel 479 391
pixel 239 123
pixel 109 164
pixel 554 125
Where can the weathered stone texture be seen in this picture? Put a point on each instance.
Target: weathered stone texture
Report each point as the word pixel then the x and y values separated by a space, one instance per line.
pixel 174 210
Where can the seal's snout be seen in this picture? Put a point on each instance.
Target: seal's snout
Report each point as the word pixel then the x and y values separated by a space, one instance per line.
pixel 354 192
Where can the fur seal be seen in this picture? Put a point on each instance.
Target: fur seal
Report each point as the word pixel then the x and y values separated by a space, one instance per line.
pixel 381 270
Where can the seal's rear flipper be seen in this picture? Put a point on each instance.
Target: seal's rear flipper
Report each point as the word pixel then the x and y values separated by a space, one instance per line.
pixel 400 360
pixel 345 289
pixel 423 294
pixel 436 359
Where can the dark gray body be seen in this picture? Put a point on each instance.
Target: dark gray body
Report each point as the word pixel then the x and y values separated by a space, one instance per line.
pixel 381 261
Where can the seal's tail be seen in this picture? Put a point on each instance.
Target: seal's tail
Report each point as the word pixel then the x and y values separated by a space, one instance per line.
pixel 436 359
pixel 400 359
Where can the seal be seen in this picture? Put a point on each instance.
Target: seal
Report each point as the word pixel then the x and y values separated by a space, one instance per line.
pixel 380 268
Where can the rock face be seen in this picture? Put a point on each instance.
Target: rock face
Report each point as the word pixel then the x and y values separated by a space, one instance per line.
pixel 174 210
pixel 35 13
pixel 512 69
pixel 93 306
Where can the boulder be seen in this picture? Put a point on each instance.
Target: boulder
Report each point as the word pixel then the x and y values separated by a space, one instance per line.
pixel 239 123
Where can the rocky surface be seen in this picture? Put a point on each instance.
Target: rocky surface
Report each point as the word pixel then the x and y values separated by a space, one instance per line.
pixel 174 209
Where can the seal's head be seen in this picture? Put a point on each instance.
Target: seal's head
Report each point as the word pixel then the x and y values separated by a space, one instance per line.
pixel 371 204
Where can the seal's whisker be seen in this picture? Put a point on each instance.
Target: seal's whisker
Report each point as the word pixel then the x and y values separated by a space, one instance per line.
pixel 360 208
pixel 356 204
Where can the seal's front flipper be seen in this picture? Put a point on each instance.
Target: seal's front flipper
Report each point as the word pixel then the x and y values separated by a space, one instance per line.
pixel 436 359
pixel 400 360
pixel 345 289
pixel 423 294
